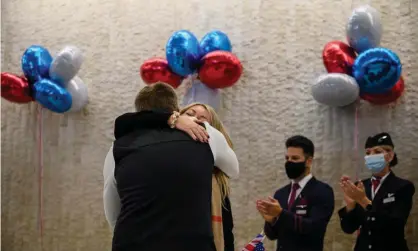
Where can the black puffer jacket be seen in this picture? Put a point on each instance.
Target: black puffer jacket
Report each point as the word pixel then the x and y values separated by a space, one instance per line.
pixel 164 181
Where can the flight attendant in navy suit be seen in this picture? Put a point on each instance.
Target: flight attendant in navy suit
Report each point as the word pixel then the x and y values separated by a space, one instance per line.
pixel 378 206
pixel 298 214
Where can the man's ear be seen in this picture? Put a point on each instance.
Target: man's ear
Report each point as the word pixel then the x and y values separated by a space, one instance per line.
pixel 309 161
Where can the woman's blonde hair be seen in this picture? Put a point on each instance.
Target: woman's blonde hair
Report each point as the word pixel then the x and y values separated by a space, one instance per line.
pixel 214 121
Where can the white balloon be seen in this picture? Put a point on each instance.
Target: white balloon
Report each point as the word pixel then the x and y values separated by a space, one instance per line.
pixel 79 94
pixel 200 93
pixel 335 89
pixel 66 65
pixel 364 28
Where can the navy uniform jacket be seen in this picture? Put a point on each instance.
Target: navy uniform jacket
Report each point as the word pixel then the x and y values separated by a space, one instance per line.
pixel 303 226
pixel 381 228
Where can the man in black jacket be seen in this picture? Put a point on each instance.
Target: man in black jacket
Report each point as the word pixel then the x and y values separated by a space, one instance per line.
pixel 298 214
pixel 163 178
pixel 378 206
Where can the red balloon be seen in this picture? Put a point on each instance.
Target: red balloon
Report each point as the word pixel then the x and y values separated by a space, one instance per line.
pixel 338 57
pixel 220 69
pixel 157 70
pixel 388 97
pixel 15 89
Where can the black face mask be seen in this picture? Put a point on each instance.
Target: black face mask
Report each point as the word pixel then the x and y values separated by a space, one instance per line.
pixel 295 169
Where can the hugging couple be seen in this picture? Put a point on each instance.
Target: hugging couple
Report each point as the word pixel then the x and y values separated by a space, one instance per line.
pixel 167 177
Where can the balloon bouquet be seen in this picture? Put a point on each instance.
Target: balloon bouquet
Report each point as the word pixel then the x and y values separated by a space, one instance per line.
pixel 360 68
pixel 211 59
pixel 51 82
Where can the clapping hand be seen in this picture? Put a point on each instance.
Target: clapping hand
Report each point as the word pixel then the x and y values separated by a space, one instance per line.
pixel 351 204
pixel 270 209
pixel 354 193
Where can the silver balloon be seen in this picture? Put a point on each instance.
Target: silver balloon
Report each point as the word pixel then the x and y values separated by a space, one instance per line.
pixel 79 93
pixel 335 89
pixel 66 65
pixel 364 28
pixel 200 93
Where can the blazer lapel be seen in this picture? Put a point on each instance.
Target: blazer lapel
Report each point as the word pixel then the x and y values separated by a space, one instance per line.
pixel 368 187
pixel 378 198
pixel 284 197
pixel 304 193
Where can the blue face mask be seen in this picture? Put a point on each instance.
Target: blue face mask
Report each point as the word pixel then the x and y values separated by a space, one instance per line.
pixel 375 163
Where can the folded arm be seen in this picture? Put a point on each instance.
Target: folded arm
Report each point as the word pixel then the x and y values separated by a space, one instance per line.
pixel 145 119
pixel 225 158
pixel 111 199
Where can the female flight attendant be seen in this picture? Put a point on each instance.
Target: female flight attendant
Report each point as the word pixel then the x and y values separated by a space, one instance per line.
pixel 378 206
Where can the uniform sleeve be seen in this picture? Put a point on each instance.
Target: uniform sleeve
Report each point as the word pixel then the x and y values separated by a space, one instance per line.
pixel 111 198
pixel 351 221
pixel 224 156
pixel 271 230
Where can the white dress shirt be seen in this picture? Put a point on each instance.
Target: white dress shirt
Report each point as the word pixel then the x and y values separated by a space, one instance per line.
pixel 224 157
pixel 302 183
pixel 380 184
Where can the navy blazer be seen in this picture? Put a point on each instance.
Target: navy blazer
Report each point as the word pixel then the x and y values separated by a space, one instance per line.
pixel 381 228
pixel 302 227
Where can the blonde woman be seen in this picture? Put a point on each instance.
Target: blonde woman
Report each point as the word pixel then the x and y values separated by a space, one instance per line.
pixel 222 222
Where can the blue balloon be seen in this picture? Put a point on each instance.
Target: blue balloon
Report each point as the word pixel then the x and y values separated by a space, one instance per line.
pixel 36 61
pixel 377 70
pixel 214 41
pixel 183 53
pixel 52 96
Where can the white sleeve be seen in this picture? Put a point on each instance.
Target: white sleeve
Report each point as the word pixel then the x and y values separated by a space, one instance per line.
pixel 111 199
pixel 224 156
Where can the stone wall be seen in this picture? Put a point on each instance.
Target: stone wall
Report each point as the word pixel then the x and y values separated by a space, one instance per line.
pixel 280 44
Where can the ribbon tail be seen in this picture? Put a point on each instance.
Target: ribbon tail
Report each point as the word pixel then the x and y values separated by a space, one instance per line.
pixel 356 157
pixel 40 175
pixel 356 141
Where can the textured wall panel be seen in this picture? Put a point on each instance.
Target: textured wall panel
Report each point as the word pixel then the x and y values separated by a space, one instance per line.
pixel 279 43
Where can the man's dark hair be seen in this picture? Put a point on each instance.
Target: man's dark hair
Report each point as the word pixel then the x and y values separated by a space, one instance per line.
pixel 300 141
pixel 159 96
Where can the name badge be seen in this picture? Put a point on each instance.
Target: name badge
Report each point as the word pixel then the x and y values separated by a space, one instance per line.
pixel 301 212
pixel 388 200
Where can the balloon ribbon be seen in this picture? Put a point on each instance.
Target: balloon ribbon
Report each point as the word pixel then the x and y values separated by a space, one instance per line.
pixel 40 174
pixel 356 141
pixel 356 147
